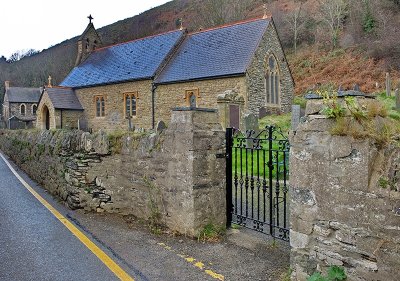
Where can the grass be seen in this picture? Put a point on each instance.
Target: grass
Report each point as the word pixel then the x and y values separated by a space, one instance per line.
pixel 211 233
pixel 377 120
pixel 256 162
pixel 390 103
pixel 282 121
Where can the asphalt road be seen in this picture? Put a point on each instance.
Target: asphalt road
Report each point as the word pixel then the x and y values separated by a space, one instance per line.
pixel 36 245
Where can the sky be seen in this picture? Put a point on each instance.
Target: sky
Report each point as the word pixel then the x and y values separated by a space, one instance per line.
pixel 39 24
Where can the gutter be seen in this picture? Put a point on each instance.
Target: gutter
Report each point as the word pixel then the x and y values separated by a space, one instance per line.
pixel 202 78
pixel 153 107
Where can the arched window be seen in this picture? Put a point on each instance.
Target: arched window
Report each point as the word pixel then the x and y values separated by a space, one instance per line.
pixel 87 44
pixel 22 109
pixel 34 109
pixel 94 45
pixel 272 87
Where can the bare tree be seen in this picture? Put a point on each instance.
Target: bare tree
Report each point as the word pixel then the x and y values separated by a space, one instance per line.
pixel 296 22
pixel 333 14
pixel 218 12
pixel 18 55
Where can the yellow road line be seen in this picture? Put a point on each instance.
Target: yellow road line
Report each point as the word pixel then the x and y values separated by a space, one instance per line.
pixel 115 268
pixel 193 261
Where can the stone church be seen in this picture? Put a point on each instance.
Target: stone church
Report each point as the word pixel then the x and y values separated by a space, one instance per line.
pixel 238 68
pixel 20 105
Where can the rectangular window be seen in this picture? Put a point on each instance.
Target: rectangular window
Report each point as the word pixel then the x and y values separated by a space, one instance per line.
pixel 130 104
pixel 100 102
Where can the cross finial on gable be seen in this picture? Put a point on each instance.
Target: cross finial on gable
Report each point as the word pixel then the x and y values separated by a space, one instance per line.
pixel 90 18
pixel 265 11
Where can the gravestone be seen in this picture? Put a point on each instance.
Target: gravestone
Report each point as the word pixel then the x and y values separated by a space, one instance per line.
pixel 388 85
pixel 397 94
pixel 160 127
pixel 262 112
pixel 356 88
pixel 250 121
pixel 296 114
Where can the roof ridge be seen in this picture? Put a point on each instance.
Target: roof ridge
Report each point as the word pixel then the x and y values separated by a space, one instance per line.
pixel 59 87
pixel 229 25
pixel 137 39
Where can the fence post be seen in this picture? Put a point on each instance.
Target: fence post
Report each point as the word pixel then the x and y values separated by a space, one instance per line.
pixel 228 173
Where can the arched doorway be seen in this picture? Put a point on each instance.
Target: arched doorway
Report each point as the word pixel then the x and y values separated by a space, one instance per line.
pixel 45 118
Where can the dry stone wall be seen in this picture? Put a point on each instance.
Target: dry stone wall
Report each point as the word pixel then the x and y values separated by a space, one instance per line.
pixel 172 178
pixel 345 203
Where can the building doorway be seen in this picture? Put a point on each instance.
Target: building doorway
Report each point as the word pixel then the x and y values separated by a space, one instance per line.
pixel 45 118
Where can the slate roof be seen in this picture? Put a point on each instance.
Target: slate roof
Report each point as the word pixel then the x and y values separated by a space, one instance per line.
pixel 64 98
pixel 135 60
pixel 219 52
pixel 19 94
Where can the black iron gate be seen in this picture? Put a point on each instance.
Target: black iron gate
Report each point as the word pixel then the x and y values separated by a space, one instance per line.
pixel 257 171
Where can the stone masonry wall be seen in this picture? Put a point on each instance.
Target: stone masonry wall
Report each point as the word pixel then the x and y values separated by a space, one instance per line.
pixel 173 95
pixel 15 110
pixel 173 178
pixel 114 118
pixel 345 203
pixel 69 118
pixel 256 74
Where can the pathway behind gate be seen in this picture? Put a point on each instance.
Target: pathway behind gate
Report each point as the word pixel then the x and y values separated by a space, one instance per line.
pixel 34 245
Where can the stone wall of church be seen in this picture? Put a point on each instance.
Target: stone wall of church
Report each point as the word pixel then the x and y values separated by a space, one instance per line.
pixel 69 118
pixel 114 118
pixel 174 95
pixel 256 75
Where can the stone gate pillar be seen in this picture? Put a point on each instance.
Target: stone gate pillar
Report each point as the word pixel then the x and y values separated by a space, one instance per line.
pixel 194 142
pixel 345 202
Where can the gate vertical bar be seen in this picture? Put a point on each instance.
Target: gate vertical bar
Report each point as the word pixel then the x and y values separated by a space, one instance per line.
pixel 270 174
pixel 229 144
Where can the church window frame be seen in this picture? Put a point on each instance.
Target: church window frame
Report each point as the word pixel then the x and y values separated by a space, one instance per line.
pixel 272 83
pixel 22 109
pixel 100 105
pixel 34 109
pixel 131 104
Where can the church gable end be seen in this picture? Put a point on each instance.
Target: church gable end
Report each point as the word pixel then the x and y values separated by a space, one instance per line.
pixel 87 42
pixel 269 80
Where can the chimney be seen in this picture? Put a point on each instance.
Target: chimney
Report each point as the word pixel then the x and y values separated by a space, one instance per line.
pixel 7 84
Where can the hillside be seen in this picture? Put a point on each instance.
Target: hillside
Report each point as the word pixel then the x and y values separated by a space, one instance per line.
pixel 364 45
